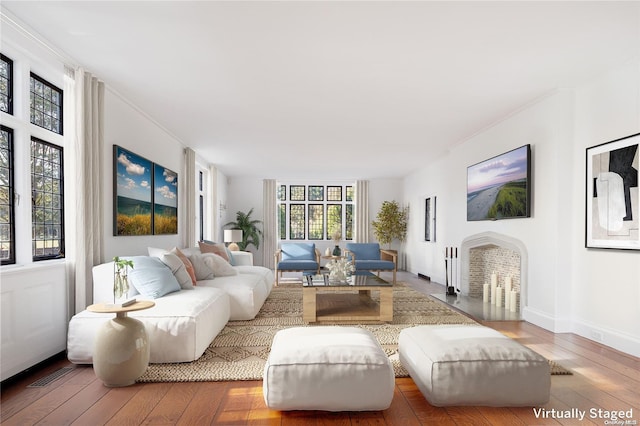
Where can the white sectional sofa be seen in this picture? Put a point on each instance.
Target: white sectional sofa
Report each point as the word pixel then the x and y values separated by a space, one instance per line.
pixel 182 323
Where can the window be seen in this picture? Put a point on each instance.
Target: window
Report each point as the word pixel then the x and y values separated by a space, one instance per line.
pixel 297 193
pixel 6 84
pixel 201 204
pixel 316 193
pixel 296 222
pixel 316 221
pixel 47 200
pixel 314 212
pixel 31 160
pixel 7 224
pixel 45 104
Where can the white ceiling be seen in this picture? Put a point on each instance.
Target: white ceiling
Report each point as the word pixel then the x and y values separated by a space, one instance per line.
pixel 334 89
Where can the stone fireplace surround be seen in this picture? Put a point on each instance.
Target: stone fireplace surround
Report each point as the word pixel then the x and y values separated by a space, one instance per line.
pixel 486 252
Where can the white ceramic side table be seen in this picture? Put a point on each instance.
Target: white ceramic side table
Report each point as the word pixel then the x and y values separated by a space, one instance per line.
pixel 121 352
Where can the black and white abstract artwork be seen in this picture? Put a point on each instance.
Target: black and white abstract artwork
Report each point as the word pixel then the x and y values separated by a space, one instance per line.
pixel 613 205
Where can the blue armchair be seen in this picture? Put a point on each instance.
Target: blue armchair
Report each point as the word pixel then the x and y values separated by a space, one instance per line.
pixel 297 257
pixel 368 257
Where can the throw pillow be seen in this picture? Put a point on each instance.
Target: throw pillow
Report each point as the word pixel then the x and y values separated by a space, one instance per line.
pixel 156 252
pixel 202 271
pixel 177 269
pixel 152 278
pixel 187 264
pixel 221 268
pixel 218 249
pixel 181 274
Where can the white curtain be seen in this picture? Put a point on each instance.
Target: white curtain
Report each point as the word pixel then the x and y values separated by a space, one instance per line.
pixel 84 140
pixel 362 212
pixel 190 199
pixel 270 222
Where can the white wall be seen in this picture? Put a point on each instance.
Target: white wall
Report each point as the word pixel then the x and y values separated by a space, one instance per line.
pixel 606 285
pixel 127 127
pixel 566 281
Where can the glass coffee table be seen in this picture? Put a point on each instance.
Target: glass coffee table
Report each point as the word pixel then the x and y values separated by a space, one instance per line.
pixel 346 302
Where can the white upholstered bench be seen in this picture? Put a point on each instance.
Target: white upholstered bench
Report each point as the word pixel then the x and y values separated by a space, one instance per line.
pixel 327 368
pixel 473 365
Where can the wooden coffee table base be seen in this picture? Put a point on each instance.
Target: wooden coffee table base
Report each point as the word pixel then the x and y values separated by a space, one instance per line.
pixel 339 305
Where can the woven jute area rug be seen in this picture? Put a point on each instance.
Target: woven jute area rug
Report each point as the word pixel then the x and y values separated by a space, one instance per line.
pixel 241 349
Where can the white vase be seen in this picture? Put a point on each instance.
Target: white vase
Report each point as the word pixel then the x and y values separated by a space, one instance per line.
pixel 121 352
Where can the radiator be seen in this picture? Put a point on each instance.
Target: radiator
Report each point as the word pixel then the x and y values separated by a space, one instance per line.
pixel 34 306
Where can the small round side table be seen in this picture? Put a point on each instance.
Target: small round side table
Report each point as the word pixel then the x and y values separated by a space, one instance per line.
pixel 121 351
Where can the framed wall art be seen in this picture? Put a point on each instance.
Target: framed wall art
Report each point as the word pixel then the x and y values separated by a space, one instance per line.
pixel 612 202
pixel 500 187
pixel 132 203
pixel 165 204
pixel 430 219
pixel 145 196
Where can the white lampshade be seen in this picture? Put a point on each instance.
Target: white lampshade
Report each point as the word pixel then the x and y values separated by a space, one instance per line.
pixel 232 236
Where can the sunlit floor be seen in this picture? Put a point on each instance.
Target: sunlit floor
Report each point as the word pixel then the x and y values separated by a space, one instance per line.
pixel 475 308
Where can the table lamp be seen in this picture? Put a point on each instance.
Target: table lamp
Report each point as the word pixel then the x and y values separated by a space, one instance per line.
pixel 231 236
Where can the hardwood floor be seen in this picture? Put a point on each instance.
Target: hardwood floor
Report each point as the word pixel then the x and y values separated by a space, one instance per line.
pixel 602 378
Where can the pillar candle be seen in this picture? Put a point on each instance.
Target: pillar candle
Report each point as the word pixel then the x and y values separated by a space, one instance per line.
pixel 507 292
pixel 514 300
pixel 499 297
pixel 485 293
pixel 494 284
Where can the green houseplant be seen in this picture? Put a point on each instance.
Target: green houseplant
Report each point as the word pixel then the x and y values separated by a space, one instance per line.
pixel 251 234
pixel 390 223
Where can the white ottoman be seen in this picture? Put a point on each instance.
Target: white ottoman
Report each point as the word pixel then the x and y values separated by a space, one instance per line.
pixel 327 368
pixel 473 365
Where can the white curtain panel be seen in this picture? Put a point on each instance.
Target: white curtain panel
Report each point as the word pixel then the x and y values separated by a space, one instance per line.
pixel 190 190
pixel 270 223
pixel 362 212
pixel 84 140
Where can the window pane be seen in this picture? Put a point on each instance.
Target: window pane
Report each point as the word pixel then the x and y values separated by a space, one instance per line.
pixel 334 220
pixel 349 193
pixel 316 221
pixel 334 193
pixel 282 221
pixel 316 193
pixel 282 193
pixel 7 225
pixel 348 225
pixel 6 84
pixel 297 193
pixel 296 221
pixel 47 200
pixel 46 104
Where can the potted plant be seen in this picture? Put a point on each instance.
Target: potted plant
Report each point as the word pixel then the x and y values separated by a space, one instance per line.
pixel 390 223
pixel 250 232
pixel 120 277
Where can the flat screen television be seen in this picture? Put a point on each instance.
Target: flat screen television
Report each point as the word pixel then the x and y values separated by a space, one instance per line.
pixel 500 187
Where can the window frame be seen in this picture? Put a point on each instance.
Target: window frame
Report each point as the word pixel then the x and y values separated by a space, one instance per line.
pixel 11 259
pixel 61 251
pixel 284 209
pixel 53 87
pixel 9 62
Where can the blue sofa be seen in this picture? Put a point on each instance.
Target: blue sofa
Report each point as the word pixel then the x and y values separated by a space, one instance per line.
pixel 368 257
pixel 297 257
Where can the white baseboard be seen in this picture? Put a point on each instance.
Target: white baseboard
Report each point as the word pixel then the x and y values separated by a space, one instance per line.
pixel 546 321
pixel 623 342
